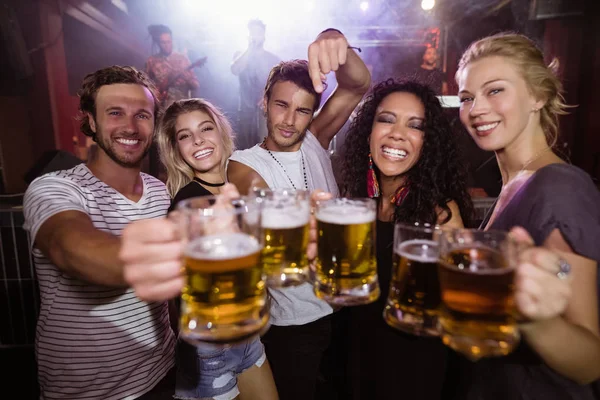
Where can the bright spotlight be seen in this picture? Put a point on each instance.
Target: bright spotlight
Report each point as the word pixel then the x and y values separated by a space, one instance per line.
pixel 427 5
pixel 364 5
pixel 310 5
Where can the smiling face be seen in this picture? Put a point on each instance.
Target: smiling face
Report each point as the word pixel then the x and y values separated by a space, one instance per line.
pixel 397 134
pixel 289 113
pixel 199 142
pixel 124 122
pixel 496 105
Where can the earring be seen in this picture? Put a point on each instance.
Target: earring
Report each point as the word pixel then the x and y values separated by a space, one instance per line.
pixel 372 184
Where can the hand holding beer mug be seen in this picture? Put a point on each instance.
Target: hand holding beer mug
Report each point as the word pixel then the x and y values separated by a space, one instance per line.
pixel 285 222
pixel 477 274
pixel 224 296
pixel 414 298
pixel 346 264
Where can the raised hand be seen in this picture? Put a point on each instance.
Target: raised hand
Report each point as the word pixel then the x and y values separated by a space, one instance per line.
pixel 542 283
pixel 327 53
pixel 151 252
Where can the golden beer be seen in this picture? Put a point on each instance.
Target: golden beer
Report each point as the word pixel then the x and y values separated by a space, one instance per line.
pixel 477 288
pixel 346 265
pixel 284 254
pixel 414 298
pixel 224 297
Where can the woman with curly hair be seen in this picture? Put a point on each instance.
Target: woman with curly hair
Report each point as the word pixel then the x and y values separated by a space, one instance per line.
pixel 401 149
pixel 401 134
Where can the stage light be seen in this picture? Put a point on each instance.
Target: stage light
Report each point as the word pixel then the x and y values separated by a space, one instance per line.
pixel 427 5
pixel 364 5
pixel 310 5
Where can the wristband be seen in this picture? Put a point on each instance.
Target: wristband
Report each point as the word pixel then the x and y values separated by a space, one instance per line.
pixel 340 32
pixel 332 29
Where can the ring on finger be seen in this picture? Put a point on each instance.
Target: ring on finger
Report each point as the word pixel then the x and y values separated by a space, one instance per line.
pixel 564 269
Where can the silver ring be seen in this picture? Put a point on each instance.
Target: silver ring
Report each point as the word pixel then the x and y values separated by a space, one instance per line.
pixel 564 269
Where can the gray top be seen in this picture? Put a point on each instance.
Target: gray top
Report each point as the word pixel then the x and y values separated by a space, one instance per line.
pixel 558 196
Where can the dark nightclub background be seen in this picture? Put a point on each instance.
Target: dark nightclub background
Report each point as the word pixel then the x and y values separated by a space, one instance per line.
pixel 48 46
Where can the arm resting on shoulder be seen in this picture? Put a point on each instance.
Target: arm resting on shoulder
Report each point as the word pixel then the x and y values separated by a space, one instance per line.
pixel 76 247
pixel 570 344
pixel 354 80
pixel 244 177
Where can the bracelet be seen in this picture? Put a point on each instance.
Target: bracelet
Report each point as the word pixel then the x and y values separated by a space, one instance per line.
pixel 332 29
pixel 340 32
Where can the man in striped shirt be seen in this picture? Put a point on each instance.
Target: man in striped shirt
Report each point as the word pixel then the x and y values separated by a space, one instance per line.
pixel 95 339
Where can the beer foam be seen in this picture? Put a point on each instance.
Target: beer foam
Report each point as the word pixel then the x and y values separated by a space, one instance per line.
pixel 421 250
pixel 345 214
pixel 222 246
pixel 285 218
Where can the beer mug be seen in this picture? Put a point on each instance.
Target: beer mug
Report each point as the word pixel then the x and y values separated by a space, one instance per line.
pixel 414 298
pixel 224 296
pixel 477 272
pixel 285 222
pixel 346 268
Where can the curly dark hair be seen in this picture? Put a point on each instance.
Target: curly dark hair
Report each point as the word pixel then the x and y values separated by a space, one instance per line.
pixel 156 30
pixel 438 177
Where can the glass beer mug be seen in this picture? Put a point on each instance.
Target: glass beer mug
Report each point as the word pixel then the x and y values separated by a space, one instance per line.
pixel 285 222
pixel 224 296
pixel 346 270
pixel 477 272
pixel 414 297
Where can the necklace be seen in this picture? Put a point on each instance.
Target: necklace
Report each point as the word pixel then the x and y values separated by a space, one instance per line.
pixel 285 172
pixel 538 155
pixel 535 157
pixel 507 191
pixel 198 180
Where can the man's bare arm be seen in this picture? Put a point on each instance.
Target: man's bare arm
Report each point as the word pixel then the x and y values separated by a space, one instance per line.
pixel 330 52
pixel 244 177
pixel 76 247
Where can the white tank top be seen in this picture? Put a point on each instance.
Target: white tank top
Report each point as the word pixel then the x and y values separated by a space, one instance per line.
pixel 295 305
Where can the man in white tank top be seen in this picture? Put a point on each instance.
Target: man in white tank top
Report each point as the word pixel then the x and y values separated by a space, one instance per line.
pixel 294 155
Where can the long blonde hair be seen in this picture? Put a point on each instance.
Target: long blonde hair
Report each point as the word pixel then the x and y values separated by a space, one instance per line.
pixel 542 80
pixel 179 173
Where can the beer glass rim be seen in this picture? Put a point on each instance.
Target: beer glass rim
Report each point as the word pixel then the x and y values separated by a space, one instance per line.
pixel 364 200
pixel 279 191
pixel 241 205
pixel 491 233
pixel 479 235
pixel 421 227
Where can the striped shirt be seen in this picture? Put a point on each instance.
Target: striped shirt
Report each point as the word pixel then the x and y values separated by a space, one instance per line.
pixel 95 342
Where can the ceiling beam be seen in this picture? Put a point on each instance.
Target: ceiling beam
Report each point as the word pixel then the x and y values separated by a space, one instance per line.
pixel 89 15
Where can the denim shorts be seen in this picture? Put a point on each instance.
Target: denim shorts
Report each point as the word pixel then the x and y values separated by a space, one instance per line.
pixel 210 371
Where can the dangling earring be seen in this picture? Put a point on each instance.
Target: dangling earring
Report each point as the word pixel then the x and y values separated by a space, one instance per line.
pixel 372 184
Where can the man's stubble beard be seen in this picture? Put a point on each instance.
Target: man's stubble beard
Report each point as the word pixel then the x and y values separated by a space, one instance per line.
pixel 271 134
pixel 105 145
